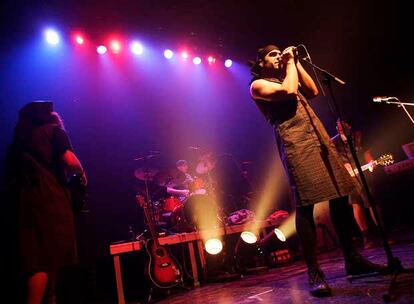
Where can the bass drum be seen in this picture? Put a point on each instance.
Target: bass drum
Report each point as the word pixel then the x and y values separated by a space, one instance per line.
pixel 199 212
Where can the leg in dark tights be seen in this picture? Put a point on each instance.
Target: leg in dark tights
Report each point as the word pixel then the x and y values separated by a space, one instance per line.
pixel 306 230
pixel 341 218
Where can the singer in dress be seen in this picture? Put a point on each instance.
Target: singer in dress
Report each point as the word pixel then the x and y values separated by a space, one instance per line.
pixel 280 88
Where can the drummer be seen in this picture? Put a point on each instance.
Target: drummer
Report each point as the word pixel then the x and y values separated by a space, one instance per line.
pixel 179 186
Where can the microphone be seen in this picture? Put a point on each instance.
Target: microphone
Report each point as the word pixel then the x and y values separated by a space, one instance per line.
pixel 193 148
pixel 295 51
pixel 383 98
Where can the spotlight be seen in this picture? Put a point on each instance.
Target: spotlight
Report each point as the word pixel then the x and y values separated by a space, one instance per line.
pixel 213 246
pixel 101 49
pixel 79 39
pixel 168 54
pixel 228 63
pixel 248 255
pixel 184 55
pixel 249 237
pixel 197 60
pixel 211 60
pixel 115 46
pixel 137 48
pixel 275 247
pixel 274 236
pixel 280 235
pixel 52 37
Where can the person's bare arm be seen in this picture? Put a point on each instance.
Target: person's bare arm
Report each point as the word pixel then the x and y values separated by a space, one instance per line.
pixel 308 86
pixel 73 165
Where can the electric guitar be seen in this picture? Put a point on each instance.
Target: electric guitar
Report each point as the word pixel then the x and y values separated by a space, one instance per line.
pixel 384 160
pixel 162 269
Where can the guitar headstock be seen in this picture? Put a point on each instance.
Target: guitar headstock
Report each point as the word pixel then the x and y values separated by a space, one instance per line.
pixel 385 160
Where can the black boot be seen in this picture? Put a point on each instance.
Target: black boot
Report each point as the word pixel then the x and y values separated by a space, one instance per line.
pixel 356 264
pixel 317 283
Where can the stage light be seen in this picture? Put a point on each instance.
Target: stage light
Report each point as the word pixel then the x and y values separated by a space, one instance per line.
pixel 79 39
pixel 211 60
pixel 228 63
pixel 115 46
pixel 168 54
pixel 137 48
pixel 197 60
pixel 184 55
pixel 248 255
pixel 280 235
pixel 101 49
pixel 213 246
pixel 249 237
pixel 52 37
pixel 274 239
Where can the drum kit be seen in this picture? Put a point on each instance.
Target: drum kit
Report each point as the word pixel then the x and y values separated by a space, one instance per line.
pixel 195 211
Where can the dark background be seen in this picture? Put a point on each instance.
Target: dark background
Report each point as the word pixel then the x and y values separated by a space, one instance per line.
pixel 119 107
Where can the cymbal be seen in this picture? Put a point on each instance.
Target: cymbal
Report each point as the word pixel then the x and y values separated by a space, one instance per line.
pixel 144 173
pixel 205 166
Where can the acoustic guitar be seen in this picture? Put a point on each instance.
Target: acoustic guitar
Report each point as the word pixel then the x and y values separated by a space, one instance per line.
pixel 162 268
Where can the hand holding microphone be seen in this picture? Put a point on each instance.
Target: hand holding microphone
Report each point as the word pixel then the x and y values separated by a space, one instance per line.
pixel 291 52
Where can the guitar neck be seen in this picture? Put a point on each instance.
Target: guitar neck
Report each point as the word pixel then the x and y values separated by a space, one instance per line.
pixel 151 225
pixel 363 168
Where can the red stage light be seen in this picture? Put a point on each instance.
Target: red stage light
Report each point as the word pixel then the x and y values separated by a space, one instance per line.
pixel 115 46
pixel 184 55
pixel 79 39
pixel 211 60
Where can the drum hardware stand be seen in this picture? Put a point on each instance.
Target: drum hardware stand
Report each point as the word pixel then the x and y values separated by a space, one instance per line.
pixel 393 263
pixel 140 236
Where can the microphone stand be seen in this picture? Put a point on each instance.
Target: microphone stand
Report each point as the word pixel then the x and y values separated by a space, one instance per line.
pixel 402 105
pixel 393 262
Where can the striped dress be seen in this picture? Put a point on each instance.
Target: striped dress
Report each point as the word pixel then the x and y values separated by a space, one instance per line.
pixel 315 171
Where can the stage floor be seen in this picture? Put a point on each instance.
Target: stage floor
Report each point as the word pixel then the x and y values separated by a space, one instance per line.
pixel 288 284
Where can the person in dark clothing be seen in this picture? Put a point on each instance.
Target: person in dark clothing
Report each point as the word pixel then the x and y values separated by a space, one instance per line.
pixel 37 164
pixel 358 198
pixel 280 88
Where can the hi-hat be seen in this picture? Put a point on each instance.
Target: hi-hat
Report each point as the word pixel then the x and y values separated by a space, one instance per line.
pixel 145 173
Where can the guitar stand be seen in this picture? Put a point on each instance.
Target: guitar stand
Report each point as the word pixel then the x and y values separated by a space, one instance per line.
pixel 149 299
